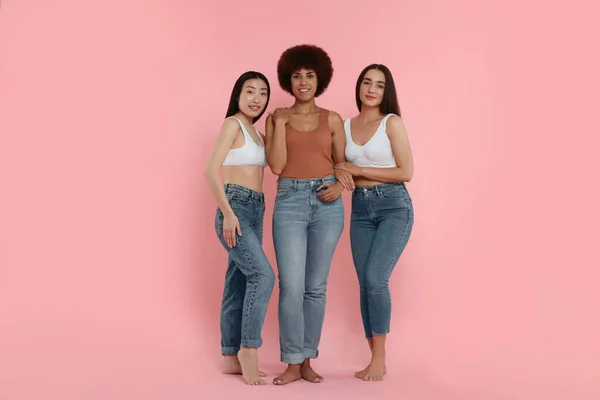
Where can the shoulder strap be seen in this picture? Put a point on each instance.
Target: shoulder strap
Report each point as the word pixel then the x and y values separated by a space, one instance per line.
pixel 347 124
pixel 244 131
pixel 384 122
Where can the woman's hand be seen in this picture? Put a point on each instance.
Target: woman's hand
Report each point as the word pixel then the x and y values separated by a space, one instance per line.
pixel 331 192
pixel 231 225
pixel 281 116
pixel 348 167
pixel 345 178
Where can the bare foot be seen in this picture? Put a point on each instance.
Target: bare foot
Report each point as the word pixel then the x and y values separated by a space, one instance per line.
pixel 361 374
pixel 249 362
pixel 309 374
pixel 291 374
pixel 376 370
pixel 231 366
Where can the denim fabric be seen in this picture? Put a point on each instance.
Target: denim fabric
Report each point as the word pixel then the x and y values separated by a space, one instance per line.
pixel 306 232
pixel 249 279
pixel 380 226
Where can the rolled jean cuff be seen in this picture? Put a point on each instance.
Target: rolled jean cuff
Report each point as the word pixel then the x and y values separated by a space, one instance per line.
pixel 311 353
pixel 252 343
pixel 292 358
pixel 387 332
pixel 229 351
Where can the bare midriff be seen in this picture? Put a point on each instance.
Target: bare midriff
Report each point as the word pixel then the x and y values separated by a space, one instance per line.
pixel 250 176
pixel 360 182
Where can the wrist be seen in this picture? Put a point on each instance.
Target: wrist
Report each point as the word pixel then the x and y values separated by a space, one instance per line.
pixel 228 212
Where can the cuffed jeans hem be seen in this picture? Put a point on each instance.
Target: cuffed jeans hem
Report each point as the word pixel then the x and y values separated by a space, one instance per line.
pixel 377 334
pixel 229 351
pixel 292 358
pixel 298 358
pixel 252 343
pixel 311 353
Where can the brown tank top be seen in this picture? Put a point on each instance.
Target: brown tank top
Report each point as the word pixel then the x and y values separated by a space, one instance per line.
pixel 309 152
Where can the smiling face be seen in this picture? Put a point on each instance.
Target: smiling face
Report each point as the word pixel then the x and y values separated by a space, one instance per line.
pixel 304 84
pixel 372 88
pixel 253 97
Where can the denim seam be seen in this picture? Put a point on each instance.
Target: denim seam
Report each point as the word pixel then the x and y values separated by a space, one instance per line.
pixel 407 200
pixel 254 286
pixel 399 245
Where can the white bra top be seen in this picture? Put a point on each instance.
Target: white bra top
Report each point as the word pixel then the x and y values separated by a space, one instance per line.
pixel 376 153
pixel 249 153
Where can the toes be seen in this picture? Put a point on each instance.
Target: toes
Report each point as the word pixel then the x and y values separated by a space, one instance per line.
pixel 256 382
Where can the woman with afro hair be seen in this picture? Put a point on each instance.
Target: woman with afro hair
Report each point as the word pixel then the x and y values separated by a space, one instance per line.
pixel 304 142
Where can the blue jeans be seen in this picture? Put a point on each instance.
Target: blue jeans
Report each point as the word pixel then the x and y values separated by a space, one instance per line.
pixel 249 279
pixel 380 226
pixel 306 232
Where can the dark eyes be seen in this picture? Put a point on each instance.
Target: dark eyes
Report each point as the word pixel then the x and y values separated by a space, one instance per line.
pixel 366 83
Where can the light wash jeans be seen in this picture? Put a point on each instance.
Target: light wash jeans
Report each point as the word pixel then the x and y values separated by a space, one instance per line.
pixel 306 232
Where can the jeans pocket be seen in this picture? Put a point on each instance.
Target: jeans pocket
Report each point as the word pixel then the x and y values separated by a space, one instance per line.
pixel 283 193
pixel 397 198
pixel 240 198
pixel 393 194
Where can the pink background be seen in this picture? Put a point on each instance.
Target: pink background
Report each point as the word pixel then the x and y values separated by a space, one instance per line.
pixel 110 271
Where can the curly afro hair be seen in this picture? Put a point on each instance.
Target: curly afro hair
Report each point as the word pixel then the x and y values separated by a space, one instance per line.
pixel 304 56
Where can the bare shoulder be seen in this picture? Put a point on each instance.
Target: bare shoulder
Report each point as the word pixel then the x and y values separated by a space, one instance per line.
pixel 230 129
pixel 335 122
pixel 230 124
pixel 395 125
pixel 334 117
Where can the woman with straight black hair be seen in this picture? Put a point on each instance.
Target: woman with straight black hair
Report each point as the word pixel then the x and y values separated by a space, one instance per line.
pixel 380 160
pixel 249 278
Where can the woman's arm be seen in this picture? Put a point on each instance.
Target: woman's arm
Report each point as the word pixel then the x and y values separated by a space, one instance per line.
pixel 275 140
pixel 336 124
pixel 227 135
pixel 403 172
